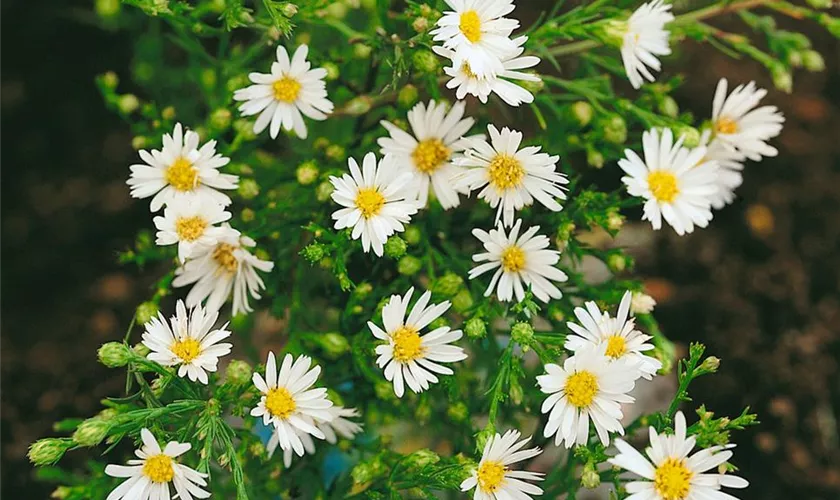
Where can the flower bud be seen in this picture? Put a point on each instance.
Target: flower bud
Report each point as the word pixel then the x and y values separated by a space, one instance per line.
pixel 617 262
pixel 425 61
pixel 447 285
pixel 820 4
pixel 668 106
pixel 110 80
pixel 395 247
pixel 114 354
pixel 582 113
pixel 462 301
pixel 248 189
pixel 336 10
pixel 412 235
pixel 782 79
pixel 690 136
pixel 614 221
pixel 324 191
pixel 594 158
pixel 564 232
pixel 314 252
pixel 361 51
pixel 420 25
pixel 48 451
pixel 421 458
pixel 336 152
pixel 289 9
pixel 334 344
pixel 345 283
pixel 61 492
pixel 333 71
pixel 458 412
pixel 140 350
pixel 590 479
pixel 221 119
pixel 145 312
pixel 516 392
pixel 128 103
pixel 710 364
pixel 533 87
pixel 641 303
pixel 107 8
pixel 91 432
pixel 238 372
pixel 409 265
pixel 523 334
pixel 247 215
pixel 482 437
pixel 358 106
pixel 168 113
pixel 307 173
pixel 615 129
pixel 475 328
pixel 813 60
pixel 362 290
pixel 408 96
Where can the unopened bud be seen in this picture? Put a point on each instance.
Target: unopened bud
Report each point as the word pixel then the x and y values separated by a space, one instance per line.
pixel 412 235
pixel 289 9
pixel 617 262
pixel 358 106
pixel 361 51
pixel 409 265
pixel 107 8
pixel 333 71
pixel 141 350
pixel 475 328
pixel 425 61
pixel 407 97
pixel 145 312
pixel 690 136
pixel 314 252
pixel 61 493
pixel 48 451
pixel 447 285
pixel 458 412
pixel 395 247
pixel 421 458
pixel 334 344
pixel 110 80
pixel 324 191
pixel 248 189
pixel 641 303
pixel 582 112
pixel 813 60
pixel 462 301
pixel 420 25
pixel 594 158
pixel 336 152
pixel 307 173
pixel 221 119
pixel 522 334
pixel 615 221
pixel 114 354
pixel 238 372
pixel 710 364
pixel 91 432
pixel 128 103
pixel 782 79
pixel 590 479
pixel 614 129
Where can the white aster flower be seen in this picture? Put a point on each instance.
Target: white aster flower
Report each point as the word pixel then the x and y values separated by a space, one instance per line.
pixel 670 473
pixel 289 404
pixel 677 183
pixel 150 474
pixel 618 334
pixel 466 81
pixel 589 386
pixel 437 137
pixel 642 303
pixel 478 32
pixel 731 164
pixel 281 96
pixel 519 261
pixel 190 343
pixel 740 125
pixel 494 480
pixel 511 178
pixel 338 426
pixel 179 169
pixel 217 271
pixel 190 221
pixel 644 39
pixel 410 358
pixel 378 201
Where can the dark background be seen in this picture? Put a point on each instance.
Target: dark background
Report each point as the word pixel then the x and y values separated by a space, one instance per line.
pixel 759 287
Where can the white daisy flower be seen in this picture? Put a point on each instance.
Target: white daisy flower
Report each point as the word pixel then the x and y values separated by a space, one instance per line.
pixel 644 39
pixel 677 183
pixel 478 32
pixel 642 303
pixel 731 164
pixel 519 261
pixel 437 137
pixel 181 168
pixel 670 473
pixel 190 221
pixel 338 426
pixel 190 343
pixel 281 96
pixel 589 386
pixel 511 178
pixel 618 334
pixel 466 81
pixel 289 404
pixel 378 201
pixel 740 125
pixel 494 480
pixel 410 358
pixel 216 271
pixel 150 474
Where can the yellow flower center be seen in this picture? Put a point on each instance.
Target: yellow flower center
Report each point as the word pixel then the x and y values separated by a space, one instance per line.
pixel 465 67
pixel 663 185
pixel 223 255
pixel 726 125
pixel 513 259
pixel 190 228
pixel 286 89
pixel 581 388
pixel 181 175
pixel 369 201
pixel 616 346
pixel 408 345
pixel 505 172
pixel 672 479
pixel 491 475
pixel 471 26
pixel 187 349
pixel 280 403
pixel 429 155
pixel 159 468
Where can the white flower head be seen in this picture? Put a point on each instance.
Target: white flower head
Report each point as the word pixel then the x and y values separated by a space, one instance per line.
pixel 281 97
pixel 511 178
pixel 740 125
pixel 642 303
pixel 378 201
pixel 494 479
pixel 466 81
pixel 190 221
pixel 339 426
pixel 519 261
pixel 188 341
pixel 289 404
pixel 438 136
pixel 478 32
pixel 730 162
pixel 670 473
pixel 677 183
pixel 181 168
pixel 644 39
pixel 217 271
pixel 588 387
pixel 618 334
pixel 150 475
pixel 410 358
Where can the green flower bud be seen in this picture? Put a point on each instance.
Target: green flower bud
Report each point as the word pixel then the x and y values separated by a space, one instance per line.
pixel 458 412
pixel 344 282
pixel 238 372
pixel 358 106
pixel 462 301
pixel 289 9
pixel 248 189
pixel 128 103
pixel 362 51
pixel 614 221
pixel 533 87
pixel 421 458
pixel 710 364
pixel 336 10
pixel 395 247
pixel 614 128
pixel 564 232
pixel 365 472
pixel 321 143
pixel 582 112
pixel 590 479
pixel 247 215
pixel 307 173
pixel 363 290
pixel 61 492
pixel 334 344
pixel 409 265
pixel 141 350
pixel 813 60
pixel 412 235
pixel 425 61
pixel 145 312
pixel 447 285
pixel 114 354
pixel 107 8
pixel 110 80
pixel 332 71
pixel 794 59
pixel 408 96
pixel 426 10
pixel 782 79
pixel 482 437
pixel 420 25
pixel 594 158
pixel 475 328
pixel 617 262
pixel 523 334
pixel 690 135
pixel 220 119
pixel 668 106
pixel 91 432
pixel 820 4
pixel 168 113
pixel 139 142
pixel 516 392
pixel 324 191
pixel 48 451
pixel 336 152
pixel 314 252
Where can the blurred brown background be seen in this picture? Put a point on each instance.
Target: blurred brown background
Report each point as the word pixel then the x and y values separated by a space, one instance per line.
pixel 759 287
